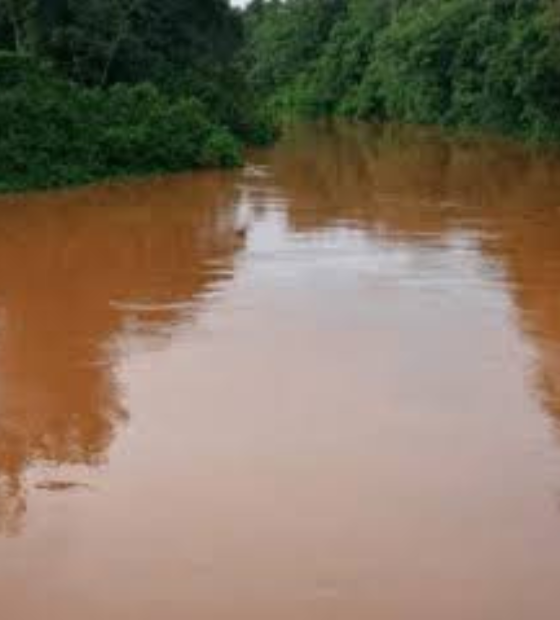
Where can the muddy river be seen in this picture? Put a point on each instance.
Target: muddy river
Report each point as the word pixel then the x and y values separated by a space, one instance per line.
pixel 323 387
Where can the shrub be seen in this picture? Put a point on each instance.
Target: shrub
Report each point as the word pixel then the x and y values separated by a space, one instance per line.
pixel 465 63
pixel 55 133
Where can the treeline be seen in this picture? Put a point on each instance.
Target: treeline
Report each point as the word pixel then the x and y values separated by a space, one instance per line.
pixel 484 64
pixel 98 88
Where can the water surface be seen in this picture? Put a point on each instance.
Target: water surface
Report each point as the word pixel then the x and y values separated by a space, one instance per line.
pixel 323 387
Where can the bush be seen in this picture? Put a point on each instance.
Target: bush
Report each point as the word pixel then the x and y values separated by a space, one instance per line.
pixel 55 133
pixel 465 63
pixel 16 69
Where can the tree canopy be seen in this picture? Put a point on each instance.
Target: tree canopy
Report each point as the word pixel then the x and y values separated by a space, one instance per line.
pixel 492 64
pixel 72 74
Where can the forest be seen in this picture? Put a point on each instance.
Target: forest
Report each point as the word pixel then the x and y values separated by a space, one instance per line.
pixel 106 88
pixel 484 65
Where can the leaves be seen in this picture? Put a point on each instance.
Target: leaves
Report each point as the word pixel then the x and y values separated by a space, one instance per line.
pixel 473 63
pixel 56 133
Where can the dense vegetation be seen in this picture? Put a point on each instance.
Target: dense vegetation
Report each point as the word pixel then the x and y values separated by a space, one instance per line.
pixel 116 87
pixel 485 64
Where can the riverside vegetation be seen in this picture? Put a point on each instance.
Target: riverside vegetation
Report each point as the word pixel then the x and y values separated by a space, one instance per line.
pixel 120 87
pixel 477 64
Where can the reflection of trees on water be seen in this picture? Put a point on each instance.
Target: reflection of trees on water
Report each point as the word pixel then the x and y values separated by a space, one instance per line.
pixel 414 186
pixel 76 270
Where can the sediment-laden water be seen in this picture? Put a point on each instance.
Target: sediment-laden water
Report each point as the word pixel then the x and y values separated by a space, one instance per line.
pixel 324 387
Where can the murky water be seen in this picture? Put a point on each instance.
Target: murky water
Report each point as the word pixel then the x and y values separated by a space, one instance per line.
pixel 325 387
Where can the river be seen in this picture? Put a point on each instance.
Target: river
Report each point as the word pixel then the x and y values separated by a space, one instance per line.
pixel 326 386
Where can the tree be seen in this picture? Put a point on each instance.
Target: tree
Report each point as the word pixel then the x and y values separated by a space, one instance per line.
pixel 19 18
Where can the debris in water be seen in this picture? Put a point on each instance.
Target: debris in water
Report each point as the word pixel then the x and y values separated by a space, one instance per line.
pixel 61 485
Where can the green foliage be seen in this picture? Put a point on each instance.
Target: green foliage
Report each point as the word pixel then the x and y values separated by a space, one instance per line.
pixel 338 72
pixel 492 64
pixel 284 41
pixel 116 87
pixel 57 133
pixel 16 69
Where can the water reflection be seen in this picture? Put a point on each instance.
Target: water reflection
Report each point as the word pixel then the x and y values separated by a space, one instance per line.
pixel 355 428
pixel 414 186
pixel 78 270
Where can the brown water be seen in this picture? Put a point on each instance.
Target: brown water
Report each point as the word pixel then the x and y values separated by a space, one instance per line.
pixel 350 412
